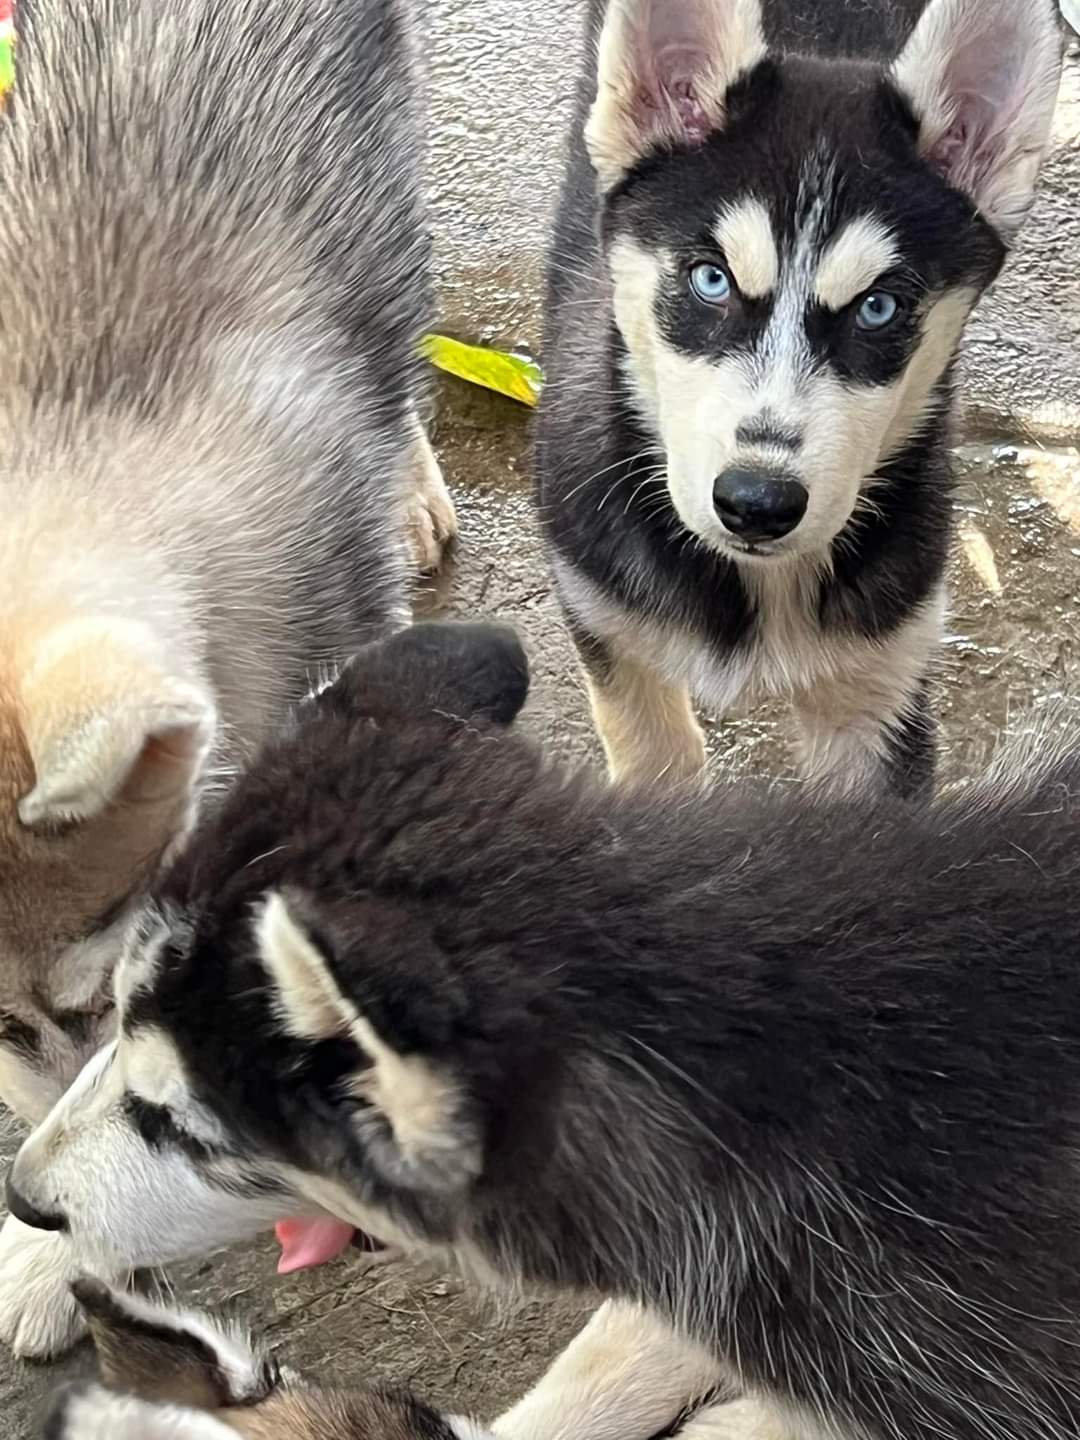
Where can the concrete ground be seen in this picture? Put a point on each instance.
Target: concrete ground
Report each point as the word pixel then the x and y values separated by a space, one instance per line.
pixel 501 73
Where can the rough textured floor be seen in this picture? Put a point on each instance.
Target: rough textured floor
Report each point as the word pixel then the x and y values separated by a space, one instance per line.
pixel 501 74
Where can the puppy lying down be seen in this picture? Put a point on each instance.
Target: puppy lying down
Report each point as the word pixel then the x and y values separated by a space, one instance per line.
pixel 792 1080
pixel 168 1373
pixel 172 1374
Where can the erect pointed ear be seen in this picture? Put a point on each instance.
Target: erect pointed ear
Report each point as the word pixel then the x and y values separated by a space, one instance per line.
pixel 476 671
pixel 663 72
pixel 982 77
pixel 170 1355
pixel 419 1129
pixel 105 724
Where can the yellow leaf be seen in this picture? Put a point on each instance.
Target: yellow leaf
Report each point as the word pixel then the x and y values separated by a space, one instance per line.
pixel 497 370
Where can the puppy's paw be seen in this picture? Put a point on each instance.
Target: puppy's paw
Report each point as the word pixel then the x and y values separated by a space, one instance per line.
pixel 39 1316
pixel 430 518
pixel 90 1412
pixel 743 1419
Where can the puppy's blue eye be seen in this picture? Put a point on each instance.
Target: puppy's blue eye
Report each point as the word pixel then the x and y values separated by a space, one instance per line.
pixel 710 284
pixel 877 310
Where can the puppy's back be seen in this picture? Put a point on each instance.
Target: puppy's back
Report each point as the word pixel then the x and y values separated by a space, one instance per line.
pixel 213 274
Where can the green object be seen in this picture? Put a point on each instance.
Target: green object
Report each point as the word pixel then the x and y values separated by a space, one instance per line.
pixel 7 63
pixel 497 370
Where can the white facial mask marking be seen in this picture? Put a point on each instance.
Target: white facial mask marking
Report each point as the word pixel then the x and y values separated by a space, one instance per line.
pixel 744 233
pixel 128 1203
pixel 696 406
pixel 853 261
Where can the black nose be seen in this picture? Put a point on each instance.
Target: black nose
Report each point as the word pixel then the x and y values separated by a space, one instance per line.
pixel 21 1208
pixel 758 504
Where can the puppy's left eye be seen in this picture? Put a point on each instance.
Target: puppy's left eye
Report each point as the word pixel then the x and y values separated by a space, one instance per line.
pixel 710 283
pixel 878 310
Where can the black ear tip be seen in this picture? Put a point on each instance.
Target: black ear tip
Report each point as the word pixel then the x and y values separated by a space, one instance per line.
pixel 94 1297
pixel 502 669
pixel 480 667
pixel 517 677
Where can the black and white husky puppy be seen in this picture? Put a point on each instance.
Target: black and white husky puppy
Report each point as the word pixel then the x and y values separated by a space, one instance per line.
pixel 800 1079
pixel 777 217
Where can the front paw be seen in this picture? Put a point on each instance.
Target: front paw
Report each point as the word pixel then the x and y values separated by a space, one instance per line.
pixel 430 518
pixel 39 1317
pixel 744 1419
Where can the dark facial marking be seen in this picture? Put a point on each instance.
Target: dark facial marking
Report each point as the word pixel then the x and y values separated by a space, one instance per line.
pixel 788 144
pixel 763 429
pixel 158 1128
pixel 20 1036
pixel 158 1362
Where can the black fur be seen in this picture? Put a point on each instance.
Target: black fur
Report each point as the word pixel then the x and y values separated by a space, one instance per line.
pixel 803 1075
pixel 822 92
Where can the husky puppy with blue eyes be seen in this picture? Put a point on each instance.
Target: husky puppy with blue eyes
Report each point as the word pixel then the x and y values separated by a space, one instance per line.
pixel 777 217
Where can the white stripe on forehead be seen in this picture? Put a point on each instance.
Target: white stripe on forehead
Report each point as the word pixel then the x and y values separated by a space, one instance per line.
pixel 152 1066
pixel 863 251
pixel 744 233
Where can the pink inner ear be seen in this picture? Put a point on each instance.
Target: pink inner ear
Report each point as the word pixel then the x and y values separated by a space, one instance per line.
pixel 677 70
pixel 971 146
pixel 986 82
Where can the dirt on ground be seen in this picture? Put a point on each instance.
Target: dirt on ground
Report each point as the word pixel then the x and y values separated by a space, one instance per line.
pixel 501 75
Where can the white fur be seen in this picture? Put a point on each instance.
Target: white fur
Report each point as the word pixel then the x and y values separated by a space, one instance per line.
pixel 983 77
pixel 859 254
pixel 624 1377
pixel 792 656
pixel 628 1375
pixel 663 71
pixel 128 1204
pixel 751 1418
pixel 844 687
pixel 696 406
pixel 39 1317
pixel 100 1414
pixel 744 233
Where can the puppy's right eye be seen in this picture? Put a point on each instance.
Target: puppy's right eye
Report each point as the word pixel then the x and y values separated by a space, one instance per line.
pixel 155 1123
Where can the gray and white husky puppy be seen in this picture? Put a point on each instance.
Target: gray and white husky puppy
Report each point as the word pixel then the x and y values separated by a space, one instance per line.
pixel 792 1080
pixel 776 219
pixel 213 277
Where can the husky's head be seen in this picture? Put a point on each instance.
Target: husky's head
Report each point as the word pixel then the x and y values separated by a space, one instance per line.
pixel 795 244
pixel 287 1008
pixel 171 1374
pixel 101 751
